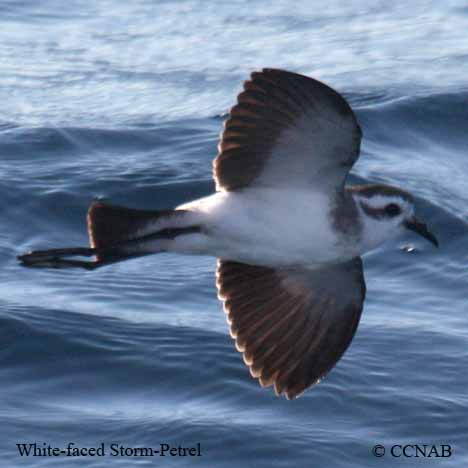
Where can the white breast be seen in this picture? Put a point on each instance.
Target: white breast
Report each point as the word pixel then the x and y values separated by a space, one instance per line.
pixel 269 227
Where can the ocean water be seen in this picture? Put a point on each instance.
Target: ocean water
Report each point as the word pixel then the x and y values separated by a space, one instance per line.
pixel 125 100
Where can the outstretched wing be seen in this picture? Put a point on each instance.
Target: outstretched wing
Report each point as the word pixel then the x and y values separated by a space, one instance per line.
pixel 292 326
pixel 287 129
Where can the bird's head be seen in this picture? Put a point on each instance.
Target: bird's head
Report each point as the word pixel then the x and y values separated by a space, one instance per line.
pixel 387 211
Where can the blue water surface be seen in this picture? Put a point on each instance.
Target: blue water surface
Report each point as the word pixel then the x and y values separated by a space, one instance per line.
pixel 125 100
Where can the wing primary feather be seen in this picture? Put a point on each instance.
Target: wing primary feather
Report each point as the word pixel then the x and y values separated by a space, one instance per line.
pixel 292 326
pixel 287 124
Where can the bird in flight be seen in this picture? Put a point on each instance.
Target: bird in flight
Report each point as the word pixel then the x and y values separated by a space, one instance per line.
pixel 286 229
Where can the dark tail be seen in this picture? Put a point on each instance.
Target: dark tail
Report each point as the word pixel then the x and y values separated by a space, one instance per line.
pixel 116 233
pixel 110 226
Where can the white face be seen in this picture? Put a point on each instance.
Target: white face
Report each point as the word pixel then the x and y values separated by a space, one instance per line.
pixel 383 218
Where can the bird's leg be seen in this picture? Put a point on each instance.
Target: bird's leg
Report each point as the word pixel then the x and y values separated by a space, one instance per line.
pixel 57 258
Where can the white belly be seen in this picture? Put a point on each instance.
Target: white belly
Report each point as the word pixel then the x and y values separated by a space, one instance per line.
pixel 268 227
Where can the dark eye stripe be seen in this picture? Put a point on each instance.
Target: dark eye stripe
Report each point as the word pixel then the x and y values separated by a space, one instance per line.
pixel 389 211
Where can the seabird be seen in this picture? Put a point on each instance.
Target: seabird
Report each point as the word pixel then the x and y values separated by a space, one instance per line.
pixel 286 229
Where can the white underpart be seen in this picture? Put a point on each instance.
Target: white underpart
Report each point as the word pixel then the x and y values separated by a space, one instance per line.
pixel 262 226
pixel 275 227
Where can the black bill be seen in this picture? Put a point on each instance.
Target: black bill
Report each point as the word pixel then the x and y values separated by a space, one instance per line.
pixel 420 228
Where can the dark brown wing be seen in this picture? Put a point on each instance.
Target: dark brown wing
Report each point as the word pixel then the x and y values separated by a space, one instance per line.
pixel 287 129
pixel 292 326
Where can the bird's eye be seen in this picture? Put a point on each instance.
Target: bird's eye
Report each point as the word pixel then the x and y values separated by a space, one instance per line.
pixel 392 209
